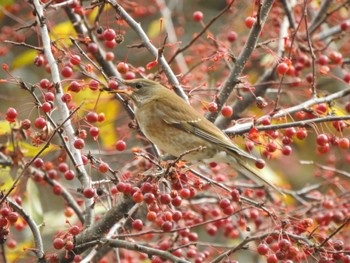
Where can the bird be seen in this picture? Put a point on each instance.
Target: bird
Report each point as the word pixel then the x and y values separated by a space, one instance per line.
pixel 175 127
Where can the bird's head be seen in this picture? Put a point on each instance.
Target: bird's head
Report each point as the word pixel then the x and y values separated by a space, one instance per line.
pixel 141 90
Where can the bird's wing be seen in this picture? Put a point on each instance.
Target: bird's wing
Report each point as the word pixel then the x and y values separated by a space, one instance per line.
pixel 187 119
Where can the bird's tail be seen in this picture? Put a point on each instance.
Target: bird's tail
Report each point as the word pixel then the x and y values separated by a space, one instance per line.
pixel 247 169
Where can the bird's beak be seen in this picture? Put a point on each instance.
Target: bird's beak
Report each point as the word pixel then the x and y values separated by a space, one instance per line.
pixel 126 92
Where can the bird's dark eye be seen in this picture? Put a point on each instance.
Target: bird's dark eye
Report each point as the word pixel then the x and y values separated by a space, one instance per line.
pixel 138 85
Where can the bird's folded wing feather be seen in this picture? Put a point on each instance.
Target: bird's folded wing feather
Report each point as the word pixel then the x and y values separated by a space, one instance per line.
pixel 187 119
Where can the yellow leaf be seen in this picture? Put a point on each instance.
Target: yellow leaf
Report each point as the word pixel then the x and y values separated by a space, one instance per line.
pixel 5 3
pixel 18 253
pixel 155 28
pixel 6 180
pixel 93 14
pixel 24 59
pixel 105 105
pixel 5 127
pixel 62 31
pixel 31 150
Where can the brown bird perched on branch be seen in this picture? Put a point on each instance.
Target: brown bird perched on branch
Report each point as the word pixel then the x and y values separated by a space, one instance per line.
pixel 175 127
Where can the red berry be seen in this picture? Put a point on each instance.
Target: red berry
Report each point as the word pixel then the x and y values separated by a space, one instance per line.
pixel 122 67
pixel 101 117
pixel 231 36
pixel 344 25
pixel 49 96
pixel 12 217
pixel 167 226
pixel 114 190
pixel 151 216
pixel 321 108
pixel 94 131
pixel 109 56
pixel 75 60
pixel 282 68
pixel 66 98
pixel 336 57
pixel 39 60
pixel 249 21
pixel 45 84
pixel 339 125
pixel 38 163
pixel 260 163
pixel 121 145
pixel 235 195
pixel 67 72
pixel 228 210
pixel 137 224
pixel 286 150
pixel 224 203
pixel 198 16
pixel 110 44
pixel 11 113
pixel 52 174
pixel 62 167
pixel 284 244
pixel 165 199
pixel 177 216
pixel 309 77
pixel 46 107
pixel 271 147
pixel 129 75
pixel 176 201
pixel 323 149
pixel 40 123
pixel 266 121
pixel 109 34
pixel 89 192
pixel 212 107
pixel 262 249
pixel 75 86
pixel 79 144
pixel 11 243
pixel 78 258
pixel 92 47
pixel 272 258
pixel 227 111
pixel 301 133
pixel 57 189
pixel 92 117
pixel 122 187
pixel 344 143
pixel 113 85
pixel 68 212
pixel 322 139
pixel 103 167
pixel 5 211
pixel 346 78
pixel 212 230
pixel 94 85
pixel 69 175
pixel 323 60
pixel 185 193
pixel 25 124
pixel 58 243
